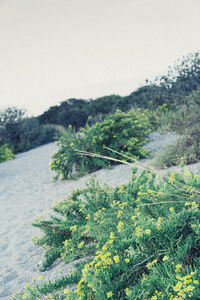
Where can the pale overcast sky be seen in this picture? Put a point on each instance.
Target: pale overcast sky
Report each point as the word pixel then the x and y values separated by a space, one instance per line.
pixel 51 50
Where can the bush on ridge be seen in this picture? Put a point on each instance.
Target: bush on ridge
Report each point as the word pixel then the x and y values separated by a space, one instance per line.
pixel 185 121
pixel 122 132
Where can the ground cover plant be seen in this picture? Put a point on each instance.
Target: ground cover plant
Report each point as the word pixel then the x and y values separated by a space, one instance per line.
pixel 5 153
pixel 123 132
pixel 136 241
pixel 185 121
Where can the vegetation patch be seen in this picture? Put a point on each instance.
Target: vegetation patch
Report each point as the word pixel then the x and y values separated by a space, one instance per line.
pixel 186 150
pixel 185 121
pixel 5 153
pixel 123 132
pixel 21 133
pixel 140 240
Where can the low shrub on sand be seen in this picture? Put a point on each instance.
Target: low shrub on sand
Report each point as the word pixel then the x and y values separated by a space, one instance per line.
pixel 5 153
pixel 123 132
pixel 185 149
pixel 136 241
pixel 184 120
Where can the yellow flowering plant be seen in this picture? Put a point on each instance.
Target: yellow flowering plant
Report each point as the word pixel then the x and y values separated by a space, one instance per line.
pixel 123 132
pixel 149 252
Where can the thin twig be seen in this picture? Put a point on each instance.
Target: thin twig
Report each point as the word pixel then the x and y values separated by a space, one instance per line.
pixel 91 154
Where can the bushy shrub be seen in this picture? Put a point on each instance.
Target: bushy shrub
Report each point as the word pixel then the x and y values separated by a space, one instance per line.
pixel 123 132
pixel 186 150
pixel 140 240
pixel 5 153
pixel 184 120
pixel 33 134
pixel 22 133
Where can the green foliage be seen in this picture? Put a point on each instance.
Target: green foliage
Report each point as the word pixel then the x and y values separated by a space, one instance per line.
pixel 185 121
pixel 142 240
pixel 75 112
pixel 33 134
pixel 181 79
pixel 5 153
pixel 10 126
pixel 170 89
pixel 186 150
pixel 22 133
pixel 123 132
pixel 184 117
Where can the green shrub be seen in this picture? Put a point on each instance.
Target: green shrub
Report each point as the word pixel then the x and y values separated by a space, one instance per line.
pixel 186 150
pixel 123 132
pixel 32 134
pixel 185 121
pixel 22 133
pixel 139 241
pixel 5 153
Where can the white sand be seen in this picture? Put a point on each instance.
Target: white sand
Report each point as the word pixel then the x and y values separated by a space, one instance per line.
pixel 26 192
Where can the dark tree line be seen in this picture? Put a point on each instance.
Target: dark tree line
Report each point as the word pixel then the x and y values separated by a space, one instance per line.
pixel 22 133
pixel 171 89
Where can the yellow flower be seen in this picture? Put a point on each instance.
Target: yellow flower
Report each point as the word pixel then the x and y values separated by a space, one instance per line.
pixel 66 291
pixel 127 260
pixel 187 173
pixel 109 294
pixel 149 265
pixel 119 226
pixel 112 235
pixel 127 291
pixel 119 213
pixel 104 247
pixel 87 217
pixel 147 231
pixel 81 245
pixel 73 228
pixel 171 209
pixel 178 286
pixel 165 258
pixel 25 295
pixel 41 277
pixel 190 288
pixel 178 266
pixel 116 258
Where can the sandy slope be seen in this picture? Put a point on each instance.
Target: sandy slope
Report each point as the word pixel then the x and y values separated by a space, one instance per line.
pixel 27 191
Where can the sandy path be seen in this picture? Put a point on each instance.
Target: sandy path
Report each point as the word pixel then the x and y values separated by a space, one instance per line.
pixel 27 191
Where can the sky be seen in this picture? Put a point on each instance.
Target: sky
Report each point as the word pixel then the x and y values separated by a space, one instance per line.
pixel 52 50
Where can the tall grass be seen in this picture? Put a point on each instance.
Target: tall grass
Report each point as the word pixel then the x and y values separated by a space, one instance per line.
pixel 184 120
